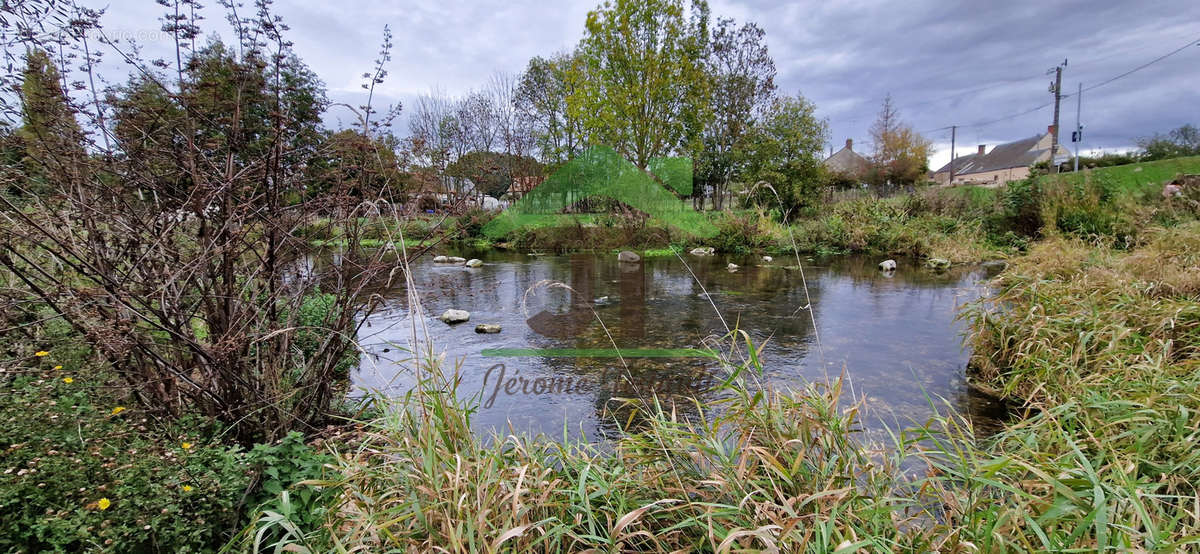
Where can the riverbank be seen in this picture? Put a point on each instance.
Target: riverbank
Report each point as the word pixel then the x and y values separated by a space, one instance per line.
pixel 961 224
pixel 1096 342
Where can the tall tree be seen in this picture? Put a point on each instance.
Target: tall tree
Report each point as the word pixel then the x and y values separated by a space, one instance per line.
pixel 515 131
pixel 742 77
pixel 901 154
pixel 541 98
pixel 646 91
pixel 785 152
pixel 51 137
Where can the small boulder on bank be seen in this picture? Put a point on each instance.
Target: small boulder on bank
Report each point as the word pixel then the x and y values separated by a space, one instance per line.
pixel 451 317
pixel 937 264
pixel 627 256
pixel 732 266
pixel 768 259
pixel 473 262
pixel 703 251
pixel 887 265
pixel 489 328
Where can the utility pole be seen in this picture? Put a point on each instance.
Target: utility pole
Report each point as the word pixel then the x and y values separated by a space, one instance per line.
pixel 953 132
pixel 1056 88
pixel 1077 136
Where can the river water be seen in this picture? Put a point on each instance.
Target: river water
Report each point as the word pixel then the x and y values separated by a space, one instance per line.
pixel 552 368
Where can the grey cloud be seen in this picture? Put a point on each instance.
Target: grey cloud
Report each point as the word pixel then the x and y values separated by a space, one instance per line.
pixel 945 63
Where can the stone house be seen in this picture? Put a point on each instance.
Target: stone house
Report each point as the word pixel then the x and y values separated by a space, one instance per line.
pixel 847 162
pixel 1006 162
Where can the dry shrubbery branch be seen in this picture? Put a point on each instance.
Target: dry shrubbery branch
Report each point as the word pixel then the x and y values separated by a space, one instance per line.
pixel 174 252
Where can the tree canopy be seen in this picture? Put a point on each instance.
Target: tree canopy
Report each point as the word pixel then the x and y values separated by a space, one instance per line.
pixel 646 89
pixel 901 154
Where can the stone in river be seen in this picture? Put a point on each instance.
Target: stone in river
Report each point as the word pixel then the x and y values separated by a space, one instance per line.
pixel 938 264
pixel 627 256
pixel 487 328
pixel 455 316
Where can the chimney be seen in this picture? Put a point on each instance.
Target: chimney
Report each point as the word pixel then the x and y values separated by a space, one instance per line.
pixel 982 147
pixel 849 144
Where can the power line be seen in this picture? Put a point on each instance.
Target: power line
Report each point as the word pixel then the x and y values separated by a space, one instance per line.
pixel 981 124
pixel 1098 85
pixel 1195 41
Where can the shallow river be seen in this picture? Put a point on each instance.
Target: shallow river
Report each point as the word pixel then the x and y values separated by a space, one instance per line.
pixel 895 336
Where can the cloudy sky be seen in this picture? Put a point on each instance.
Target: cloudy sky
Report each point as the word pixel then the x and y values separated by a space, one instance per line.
pixel 979 65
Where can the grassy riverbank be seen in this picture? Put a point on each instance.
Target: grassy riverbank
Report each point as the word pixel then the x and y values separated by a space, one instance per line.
pixel 961 224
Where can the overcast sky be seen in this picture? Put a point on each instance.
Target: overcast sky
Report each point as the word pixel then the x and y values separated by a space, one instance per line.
pixel 966 63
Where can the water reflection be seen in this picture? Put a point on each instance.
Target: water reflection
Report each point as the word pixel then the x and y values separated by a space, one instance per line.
pixel 895 337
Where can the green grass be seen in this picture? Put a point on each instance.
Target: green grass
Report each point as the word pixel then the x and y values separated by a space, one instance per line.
pixel 1151 174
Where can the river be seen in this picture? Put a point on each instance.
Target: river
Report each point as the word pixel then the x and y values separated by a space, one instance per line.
pixel 552 368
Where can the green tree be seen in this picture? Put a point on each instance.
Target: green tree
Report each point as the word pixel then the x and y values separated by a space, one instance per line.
pixel 742 77
pixel 50 138
pixel 492 172
pixel 1183 141
pixel 646 89
pixel 541 97
pixel 260 118
pixel 785 152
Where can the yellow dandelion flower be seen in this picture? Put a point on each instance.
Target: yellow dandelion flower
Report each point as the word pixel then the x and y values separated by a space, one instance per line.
pixel 57 367
pixel 68 380
pixel 118 410
pixel 186 445
pixel 187 488
pixel 41 353
pixel 103 504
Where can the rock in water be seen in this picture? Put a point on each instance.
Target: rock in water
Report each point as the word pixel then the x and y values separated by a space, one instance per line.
pixel 768 259
pixel 455 260
pixel 731 267
pixel 490 328
pixel 440 259
pixel 455 316
pixel 887 265
pixel 627 256
pixel 474 263
pixel 703 251
pixel 938 264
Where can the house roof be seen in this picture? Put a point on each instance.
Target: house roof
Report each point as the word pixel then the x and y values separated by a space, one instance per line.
pixel 847 160
pixel 1018 153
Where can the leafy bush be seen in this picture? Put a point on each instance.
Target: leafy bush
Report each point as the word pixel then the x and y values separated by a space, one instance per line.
pixel 281 467
pixel 316 312
pixel 80 474
pixel 470 224
pixel 743 232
